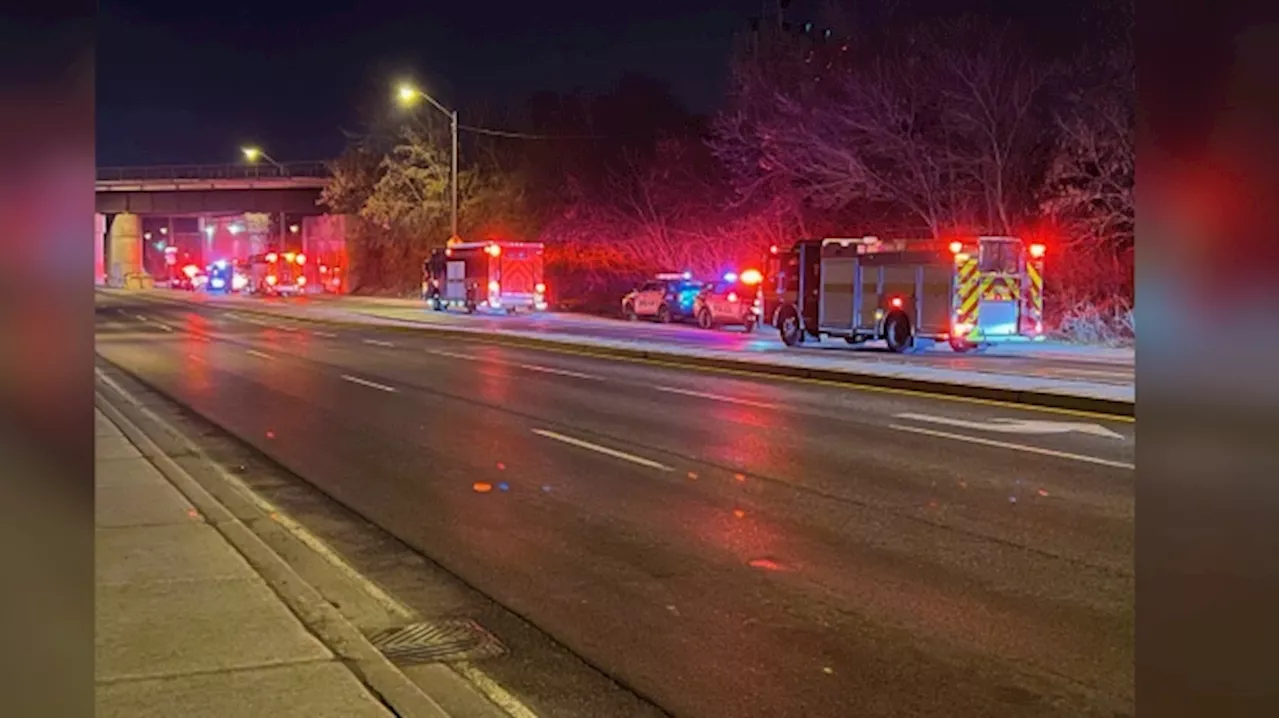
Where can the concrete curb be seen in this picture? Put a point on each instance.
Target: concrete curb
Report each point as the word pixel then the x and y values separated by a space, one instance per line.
pixel 1107 407
pixel 377 672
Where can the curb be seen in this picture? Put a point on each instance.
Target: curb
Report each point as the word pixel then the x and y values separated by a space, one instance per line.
pixel 346 641
pixel 1109 408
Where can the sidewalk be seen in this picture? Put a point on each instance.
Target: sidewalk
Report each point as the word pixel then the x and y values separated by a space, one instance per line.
pixel 184 626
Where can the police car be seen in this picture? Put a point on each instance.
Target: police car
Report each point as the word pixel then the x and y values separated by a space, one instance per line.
pixel 665 298
pixel 735 299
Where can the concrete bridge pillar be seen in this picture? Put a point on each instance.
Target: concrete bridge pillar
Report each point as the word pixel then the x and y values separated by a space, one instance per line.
pixel 124 252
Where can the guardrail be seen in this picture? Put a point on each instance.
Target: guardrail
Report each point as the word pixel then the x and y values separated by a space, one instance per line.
pixel 213 172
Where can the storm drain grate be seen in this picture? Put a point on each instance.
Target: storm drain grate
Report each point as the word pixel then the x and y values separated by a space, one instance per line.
pixel 437 641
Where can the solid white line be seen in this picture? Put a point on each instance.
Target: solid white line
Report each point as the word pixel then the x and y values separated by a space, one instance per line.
pixel 717 397
pixel 164 327
pixel 197 358
pixel 602 449
pixel 258 354
pixel 327 335
pixel 379 343
pixel 371 384
pixel 1015 447
pixel 140 317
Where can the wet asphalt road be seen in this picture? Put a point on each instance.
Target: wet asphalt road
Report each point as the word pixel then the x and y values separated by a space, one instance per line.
pixel 725 546
pixel 1014 360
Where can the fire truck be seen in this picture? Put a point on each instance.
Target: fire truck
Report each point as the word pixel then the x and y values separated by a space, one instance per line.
pixel 276 273
pixel 969 292
pixel 494 275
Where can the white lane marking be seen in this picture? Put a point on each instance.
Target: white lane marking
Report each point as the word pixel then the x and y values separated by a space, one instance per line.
pixel 561 372
pixel 602 449
pixel 494 692
pixel 197 358
pixel 163 326
pixel 140 317
pixel 258 354
pixel 371 384
pixel 378 343
pixel 453 355
pixel 1015 447
pixel 327 335
pixel 530 367
pixel 1100 372
pixel 717 397
pixel 1017 426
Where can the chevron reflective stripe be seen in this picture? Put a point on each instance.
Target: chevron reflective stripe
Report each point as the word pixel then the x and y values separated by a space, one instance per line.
pixel 1035 290
pixel 968 288
pixel 998 287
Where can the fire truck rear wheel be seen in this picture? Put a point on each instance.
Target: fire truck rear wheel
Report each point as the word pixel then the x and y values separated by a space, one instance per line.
pixel 897 333
pixel 705 320
pixel 789 327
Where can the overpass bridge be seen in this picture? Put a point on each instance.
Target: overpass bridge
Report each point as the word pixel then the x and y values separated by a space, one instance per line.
pixel 221 198
pixel 197 189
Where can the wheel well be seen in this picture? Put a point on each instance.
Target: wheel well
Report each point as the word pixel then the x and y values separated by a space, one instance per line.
pixel 783 311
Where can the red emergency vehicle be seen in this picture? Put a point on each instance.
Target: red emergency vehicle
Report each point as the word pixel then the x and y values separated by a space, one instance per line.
pixel 277 273
pixel 486 275
pixel 970 292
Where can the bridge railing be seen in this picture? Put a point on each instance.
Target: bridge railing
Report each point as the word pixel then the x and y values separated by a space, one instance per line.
pixel 213 172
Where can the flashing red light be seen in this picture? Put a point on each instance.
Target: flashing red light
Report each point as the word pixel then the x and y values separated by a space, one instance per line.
pixel 733 297
pixel 302 281
pixel 1036 250
pixel 323 269
pixel 955 247
pixel 751 276
pixel 540 288
pixel 773 249
pixel 271 279
pixel 896 302
pixel 272 257
pixel 190 270
pixel 300 259
pixel 493 250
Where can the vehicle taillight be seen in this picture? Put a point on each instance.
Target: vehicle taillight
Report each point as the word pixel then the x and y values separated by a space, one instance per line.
pixel 302 281
pixel 324 269
pixel 733 297
pixel 271 279
pixel 540 288
pixel 190 270
pixel 955 247
pixel 271 257
pixel 896 302
pixel 300 259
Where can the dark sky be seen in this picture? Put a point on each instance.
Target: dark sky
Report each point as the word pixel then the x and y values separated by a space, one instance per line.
pixel 189 82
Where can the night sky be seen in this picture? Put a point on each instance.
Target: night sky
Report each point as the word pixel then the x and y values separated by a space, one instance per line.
pixel 191 82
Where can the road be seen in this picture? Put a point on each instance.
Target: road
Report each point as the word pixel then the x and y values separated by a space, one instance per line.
pixel 1063 363
pixel 722 545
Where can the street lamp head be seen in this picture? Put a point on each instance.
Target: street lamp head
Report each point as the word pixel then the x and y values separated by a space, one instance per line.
pixel 251 153
pixel 408 94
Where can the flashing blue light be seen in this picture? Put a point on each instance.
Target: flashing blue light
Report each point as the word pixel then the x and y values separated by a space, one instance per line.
pixel 687 275
pixel 218 283
pixel 220 264
pixel 731 277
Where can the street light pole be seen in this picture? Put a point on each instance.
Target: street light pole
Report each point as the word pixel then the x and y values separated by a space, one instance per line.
pixel 453 178
pixel 408 94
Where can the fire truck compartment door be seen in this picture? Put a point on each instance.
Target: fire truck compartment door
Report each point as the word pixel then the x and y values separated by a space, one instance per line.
pixel 998 318
pixel 835 308
pixel 455 283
